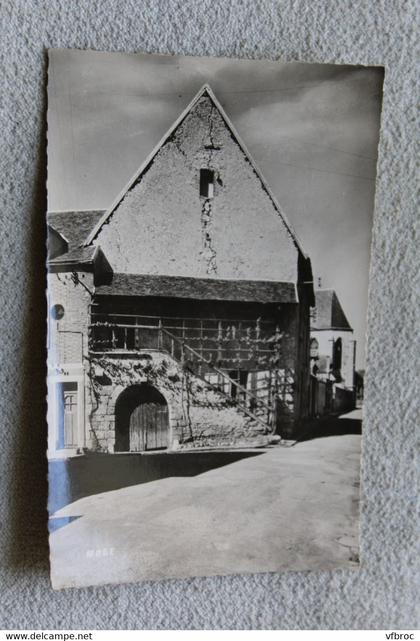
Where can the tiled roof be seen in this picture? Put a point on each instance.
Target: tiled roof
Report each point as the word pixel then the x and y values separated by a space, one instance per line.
pixel 199 288
pixel 328 313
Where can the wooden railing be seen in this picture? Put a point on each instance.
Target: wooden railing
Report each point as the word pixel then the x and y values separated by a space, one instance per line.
pixel 241 392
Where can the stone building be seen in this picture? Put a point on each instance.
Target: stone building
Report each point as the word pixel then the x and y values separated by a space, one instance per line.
pixel 179 317
pixel 333 348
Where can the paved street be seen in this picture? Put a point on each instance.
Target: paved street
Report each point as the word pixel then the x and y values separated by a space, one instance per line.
pixel 285 508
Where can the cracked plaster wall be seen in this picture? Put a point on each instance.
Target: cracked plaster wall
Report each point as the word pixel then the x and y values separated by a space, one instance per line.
pixel 68 337
pixel 163 226
pixel 383 593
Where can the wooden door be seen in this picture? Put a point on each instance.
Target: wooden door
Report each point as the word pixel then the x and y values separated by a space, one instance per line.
pixel 149 426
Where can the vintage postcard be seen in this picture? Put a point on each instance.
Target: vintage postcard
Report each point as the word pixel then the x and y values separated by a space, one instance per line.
pixel 209 225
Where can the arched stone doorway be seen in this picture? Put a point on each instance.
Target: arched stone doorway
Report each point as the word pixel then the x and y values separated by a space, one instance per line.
pixel 141 420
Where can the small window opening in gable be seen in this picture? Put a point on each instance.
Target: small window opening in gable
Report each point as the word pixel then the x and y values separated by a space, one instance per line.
pixel 212 147
pixel 207 183
pixel 337 354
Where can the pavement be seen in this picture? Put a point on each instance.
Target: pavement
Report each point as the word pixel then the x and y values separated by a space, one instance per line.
pixel 290 508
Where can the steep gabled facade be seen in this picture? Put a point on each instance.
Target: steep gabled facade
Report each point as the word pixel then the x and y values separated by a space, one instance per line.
pixel 181 318
pixel 199 207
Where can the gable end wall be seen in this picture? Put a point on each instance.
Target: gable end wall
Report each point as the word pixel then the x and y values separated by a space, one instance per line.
pixel 163 226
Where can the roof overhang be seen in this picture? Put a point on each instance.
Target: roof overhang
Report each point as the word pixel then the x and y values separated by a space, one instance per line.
pixel 199 288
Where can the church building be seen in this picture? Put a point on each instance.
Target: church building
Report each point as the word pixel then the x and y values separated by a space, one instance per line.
pixel 180 317
pixel 333 349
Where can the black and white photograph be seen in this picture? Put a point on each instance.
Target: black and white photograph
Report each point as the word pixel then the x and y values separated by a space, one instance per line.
pixel 209 229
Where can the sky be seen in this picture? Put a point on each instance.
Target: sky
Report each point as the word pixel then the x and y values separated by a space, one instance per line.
pixel 312 129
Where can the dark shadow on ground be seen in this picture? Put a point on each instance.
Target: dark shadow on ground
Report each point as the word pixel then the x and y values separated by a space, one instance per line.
pixel 75 478
pixel 331 426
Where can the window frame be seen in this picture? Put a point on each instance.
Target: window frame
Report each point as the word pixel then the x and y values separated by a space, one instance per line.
pixel 207 182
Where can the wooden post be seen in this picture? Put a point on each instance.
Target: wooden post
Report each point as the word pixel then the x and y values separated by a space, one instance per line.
pixel 159 342
pixel 275 401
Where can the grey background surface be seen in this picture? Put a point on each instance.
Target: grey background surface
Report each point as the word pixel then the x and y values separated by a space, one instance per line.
pixel 382 594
